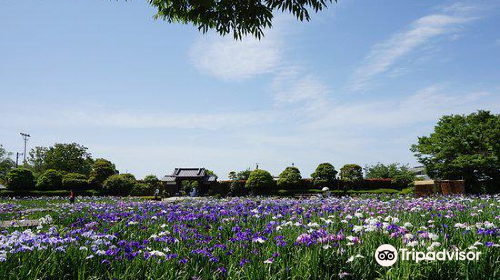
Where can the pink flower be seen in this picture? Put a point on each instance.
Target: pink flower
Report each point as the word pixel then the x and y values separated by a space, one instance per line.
pixel 303 238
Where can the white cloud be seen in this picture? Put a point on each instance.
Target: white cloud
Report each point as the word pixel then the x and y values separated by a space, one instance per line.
pixel 291 87
pixel 229 59
pixel 355 131
pixel 421 107
pixel 94 117
pixel 385 54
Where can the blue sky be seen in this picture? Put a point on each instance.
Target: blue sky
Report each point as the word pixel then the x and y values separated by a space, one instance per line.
pixel 357 84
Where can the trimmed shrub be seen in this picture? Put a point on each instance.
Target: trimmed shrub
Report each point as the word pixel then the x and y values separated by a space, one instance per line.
pixel 75 181
pixel 290 178
pixel 119 184
pixel 324 175
pixel 260 182
pixel 50 180
pixel 19 179
pixel 351 174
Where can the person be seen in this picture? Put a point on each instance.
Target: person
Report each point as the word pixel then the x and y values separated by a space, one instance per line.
pixel 157 193
pixel 71 197
pixel 326 192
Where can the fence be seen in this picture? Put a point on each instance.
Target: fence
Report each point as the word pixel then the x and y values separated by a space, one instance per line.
pixel 445 187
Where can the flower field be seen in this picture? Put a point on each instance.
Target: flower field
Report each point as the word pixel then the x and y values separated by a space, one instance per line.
pixel 240 238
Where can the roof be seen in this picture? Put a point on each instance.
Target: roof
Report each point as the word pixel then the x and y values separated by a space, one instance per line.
pixel 189 173
pixel 168 178
pixel 426 182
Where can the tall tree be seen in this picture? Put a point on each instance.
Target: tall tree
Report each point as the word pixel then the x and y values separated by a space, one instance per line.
pixel 399 173
pixel 237 17
pixel 237 186
pixel 101 170
pixel 463 147
pixel 36 159
pixel 71 158
pixel 6 163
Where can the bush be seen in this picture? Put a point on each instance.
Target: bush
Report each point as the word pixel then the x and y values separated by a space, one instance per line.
pixel 19 179
pixel 290 178
pixel 237 188
pixel 74 181
pixel 260 182
pixel 407 191
pixel 119 184
pixel 50 180
pixel 152 181
pixel 141 189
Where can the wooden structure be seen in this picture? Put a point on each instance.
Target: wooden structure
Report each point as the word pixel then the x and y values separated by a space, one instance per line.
pixel 445 187
pixel 173 183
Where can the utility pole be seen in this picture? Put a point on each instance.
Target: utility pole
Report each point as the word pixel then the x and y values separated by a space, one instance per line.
pixel 17 158
pixel 25 138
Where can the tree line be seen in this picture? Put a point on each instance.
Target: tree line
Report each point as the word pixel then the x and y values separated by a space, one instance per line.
pixel 70 167
pixel 465 147
pixel 261 181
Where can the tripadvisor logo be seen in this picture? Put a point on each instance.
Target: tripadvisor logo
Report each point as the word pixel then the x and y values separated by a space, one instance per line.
pixel 387 255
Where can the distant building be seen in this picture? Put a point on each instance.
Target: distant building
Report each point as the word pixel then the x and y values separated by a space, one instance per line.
pixel 419 172
pixel 173 182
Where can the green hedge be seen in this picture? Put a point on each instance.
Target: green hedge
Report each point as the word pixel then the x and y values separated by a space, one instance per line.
pixel 219 189
pixel 63 193
pixel 377 191
pixel 291 193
